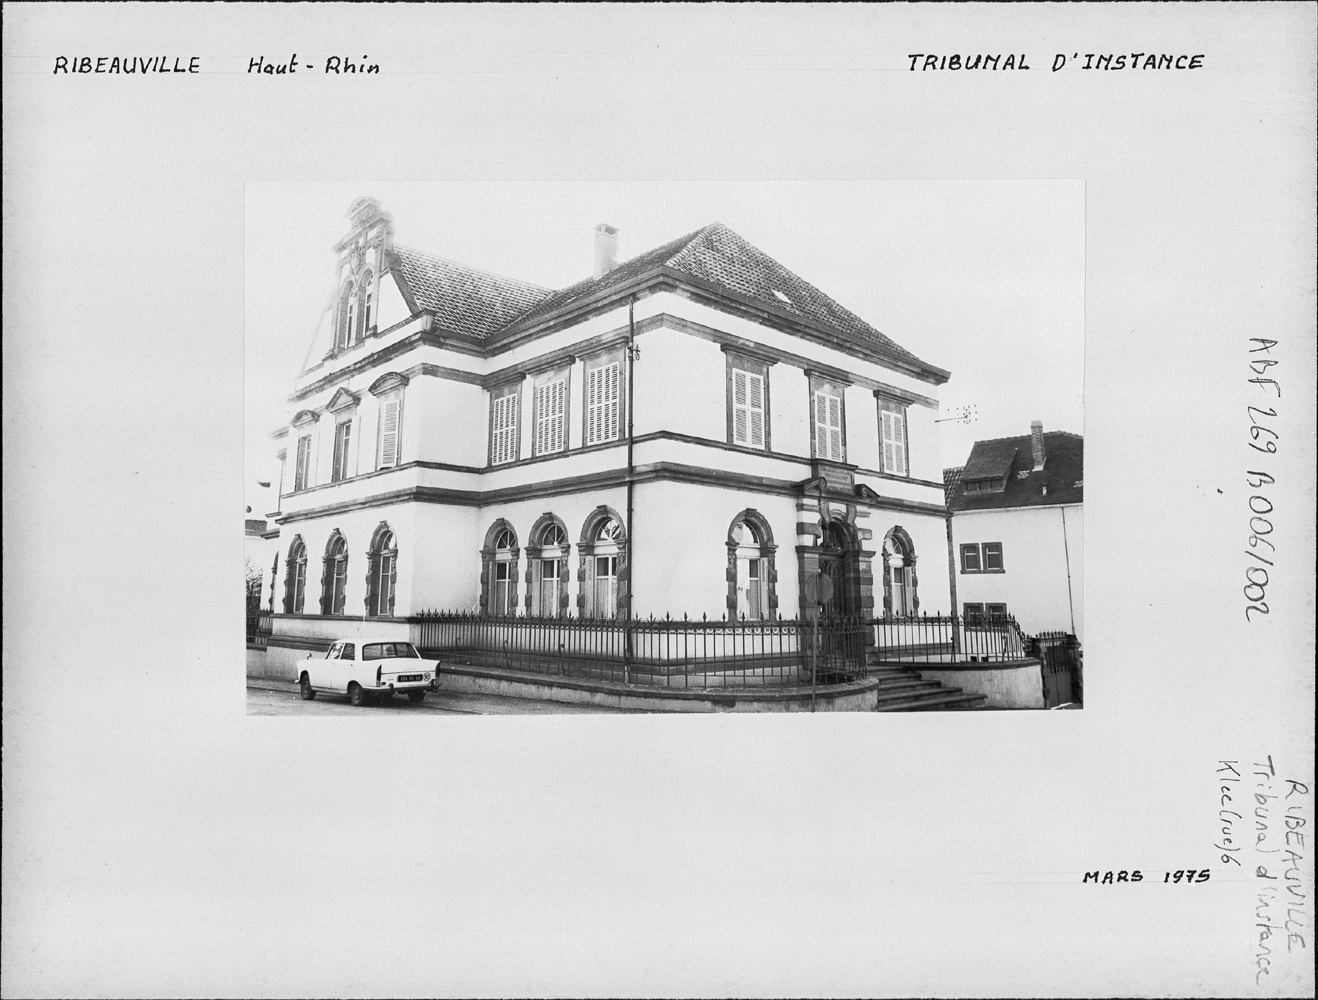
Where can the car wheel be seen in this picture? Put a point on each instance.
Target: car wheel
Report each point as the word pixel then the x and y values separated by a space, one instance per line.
pixel 356 694
pixel 308 692
pixel 415 697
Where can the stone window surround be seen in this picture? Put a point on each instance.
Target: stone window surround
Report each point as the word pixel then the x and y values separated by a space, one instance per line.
pixel 768 552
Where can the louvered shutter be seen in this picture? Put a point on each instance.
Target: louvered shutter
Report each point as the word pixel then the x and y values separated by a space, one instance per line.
pixel 821 425
pixel 740 429
pixel 593 382
pixel 551 405
pixel 899 443
pixel 389 433
pixel 602 404
pixel 885 418
pixel 611 402
pixel 755 409
pixel 559 415
pixel 834 428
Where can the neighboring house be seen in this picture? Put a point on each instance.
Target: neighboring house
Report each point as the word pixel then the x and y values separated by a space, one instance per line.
pixel 693 430
pixel 1017 529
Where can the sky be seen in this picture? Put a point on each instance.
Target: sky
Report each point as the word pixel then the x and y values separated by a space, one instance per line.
pixel 982 278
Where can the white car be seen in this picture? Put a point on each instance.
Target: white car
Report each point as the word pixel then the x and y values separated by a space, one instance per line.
pixel 369 669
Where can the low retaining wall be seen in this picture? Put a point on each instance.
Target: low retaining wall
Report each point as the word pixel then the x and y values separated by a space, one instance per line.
pixel 1006 684
pixel 860 696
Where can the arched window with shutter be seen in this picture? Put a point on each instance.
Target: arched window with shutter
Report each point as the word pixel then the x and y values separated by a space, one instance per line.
pixel 334 579
pixel 499 570
pixel 548 573
pixel 382 573
pixel 295 577
pixel 602 569
pixel 752 573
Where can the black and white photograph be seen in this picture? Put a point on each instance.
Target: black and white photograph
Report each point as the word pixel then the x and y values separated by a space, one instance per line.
pixel 737 500
pixel 690 480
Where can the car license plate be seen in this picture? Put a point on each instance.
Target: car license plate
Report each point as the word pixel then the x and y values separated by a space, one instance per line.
pixel 409 677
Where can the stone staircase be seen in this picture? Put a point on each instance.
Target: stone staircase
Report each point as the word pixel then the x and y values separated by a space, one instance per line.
pixel 902 689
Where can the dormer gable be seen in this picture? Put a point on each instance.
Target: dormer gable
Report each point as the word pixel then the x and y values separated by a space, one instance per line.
pixel 342 400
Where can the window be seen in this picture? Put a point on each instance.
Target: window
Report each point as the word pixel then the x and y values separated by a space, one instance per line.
pixel 751 572
pixel 982 558
pixel 363 317
pixel 828 414
pixel 342 438
pixel 382 574
pixel 900 585
pixel 603 403
pixel 747 408
pixel 970 559
pixel 334 582
pixel 344 318
pixel 348 651
pixel 295 577
pixel 995 609
pixel 302 470
pixel 389 651
pixel 551 416
pixel 504 436
pixel 390 414
pixel 892 432
pixel 499 570
pixel 550 563
pixel 602 593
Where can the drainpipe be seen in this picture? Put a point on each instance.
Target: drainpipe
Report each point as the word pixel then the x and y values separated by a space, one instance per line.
pixel 951 579
pixel 1067 550
pixel 631 485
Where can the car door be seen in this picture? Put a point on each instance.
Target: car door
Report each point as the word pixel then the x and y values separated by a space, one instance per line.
pixel 323 670
pixel 347 665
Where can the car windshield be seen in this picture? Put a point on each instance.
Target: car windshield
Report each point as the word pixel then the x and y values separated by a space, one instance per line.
pixel 389 650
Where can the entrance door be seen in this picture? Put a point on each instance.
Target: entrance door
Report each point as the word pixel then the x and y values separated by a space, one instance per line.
pixel 832 567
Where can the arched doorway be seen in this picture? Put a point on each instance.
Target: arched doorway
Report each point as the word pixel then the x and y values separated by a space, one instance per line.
pixel 838 562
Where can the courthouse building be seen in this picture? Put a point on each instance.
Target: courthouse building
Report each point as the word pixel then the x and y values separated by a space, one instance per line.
pixel 690 431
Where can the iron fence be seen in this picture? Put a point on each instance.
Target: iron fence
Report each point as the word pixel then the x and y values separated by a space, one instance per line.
pixel 932 639
pixel 666 652
pixel 1062 660
pixel 259 626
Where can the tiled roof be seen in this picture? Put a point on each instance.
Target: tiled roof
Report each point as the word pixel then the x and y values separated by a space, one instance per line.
pixel 951 483
pixel 1062 473
pixel 717 255
pixel 464 300
pixel 475 303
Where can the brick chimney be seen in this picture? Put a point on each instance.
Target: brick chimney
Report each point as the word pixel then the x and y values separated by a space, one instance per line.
pixel 606 249
pixel 1036 443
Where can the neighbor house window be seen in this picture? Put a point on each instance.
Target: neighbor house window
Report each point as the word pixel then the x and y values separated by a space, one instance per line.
pixel 295 577
pixel 892 432
pixel 828 415
pixel 973 613
pixel 382 574
pixel 504 429
pixel 603 413
pixel 342 439
pixel 551 397
pixel 302 470
pixel 983 557
pixel 970 559
pixel 334 582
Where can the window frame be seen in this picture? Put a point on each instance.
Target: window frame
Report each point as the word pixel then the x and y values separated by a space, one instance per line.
pixel 751 367
pixel 389 390
pixel 302 463
pixel 828 386
pixel 984 557
pixel 596 363
pixel 897 411
pixel 507 397
pixel 971 549
pixel 342 444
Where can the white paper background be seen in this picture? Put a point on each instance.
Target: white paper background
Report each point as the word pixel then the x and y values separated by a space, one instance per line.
pixel 159 842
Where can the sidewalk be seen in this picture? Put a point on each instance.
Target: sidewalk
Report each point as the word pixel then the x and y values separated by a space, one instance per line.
pixel 466 703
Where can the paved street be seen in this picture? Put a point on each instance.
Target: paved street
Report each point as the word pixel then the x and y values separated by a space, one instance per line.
pixel 271 698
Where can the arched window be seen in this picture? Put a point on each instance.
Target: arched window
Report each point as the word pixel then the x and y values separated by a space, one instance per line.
pixel 603 599
pixel 295 577
pixel 382 573
pixel 548 553
pixel 334 580
pixel 752 575
pixel 499 570
pixel 363 318
pixel 344 332
pixel 900 595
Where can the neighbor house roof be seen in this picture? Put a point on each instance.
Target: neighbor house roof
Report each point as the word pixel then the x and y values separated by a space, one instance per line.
pixel 1062 473
pixel 475 303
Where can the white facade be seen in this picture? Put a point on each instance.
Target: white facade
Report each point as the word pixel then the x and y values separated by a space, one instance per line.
pixel 422 466
pixel 1042 558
